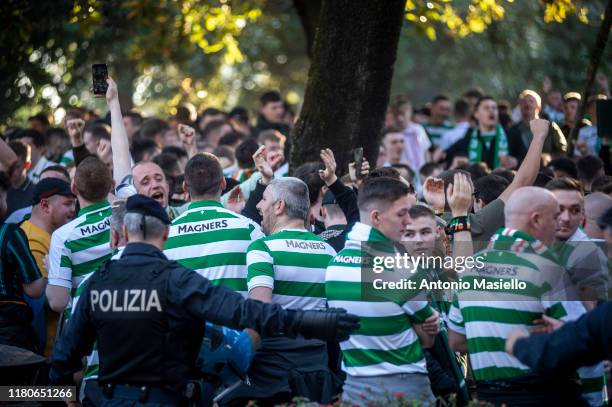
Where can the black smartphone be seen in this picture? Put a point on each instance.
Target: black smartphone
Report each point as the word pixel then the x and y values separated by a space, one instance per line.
pixel 604 118
pixel 358 158
pixel 100 75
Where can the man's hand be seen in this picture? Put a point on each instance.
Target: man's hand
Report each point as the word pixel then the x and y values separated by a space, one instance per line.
pixel 365 170
pixel 508 162
pixel 431 326
pixel 112 95
pixel 460 195
pixel 539 128
pixel 263 166
pixel 331 324
pixel 235 200
pixel 328 175
pixel 433 192
pixel 75 131
pixel 105 152
pixel 187 136
pixel 546 325
pixel 275 159
pixel 513 337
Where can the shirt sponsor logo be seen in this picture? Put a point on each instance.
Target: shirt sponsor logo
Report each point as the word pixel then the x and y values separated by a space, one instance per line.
pixel 349 259
pixel 95 228
pixel 202 227
pixel 134 300
pixel 498 270
pixel 300 244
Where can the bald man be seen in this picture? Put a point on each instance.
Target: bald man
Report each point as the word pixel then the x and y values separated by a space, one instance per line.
pixel 595 205
pixel 148 179
pixel 519 260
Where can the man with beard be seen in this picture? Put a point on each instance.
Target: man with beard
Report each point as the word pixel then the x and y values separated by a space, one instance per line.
pixel 585 263
pixel 53 206
pixel 288 268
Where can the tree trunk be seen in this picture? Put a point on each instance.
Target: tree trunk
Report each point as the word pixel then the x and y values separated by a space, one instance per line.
pixel 349 80
pixel 308 11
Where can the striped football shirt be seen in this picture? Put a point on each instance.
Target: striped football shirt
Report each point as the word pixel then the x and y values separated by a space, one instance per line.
pixel 77 250
pixel 213 241
pixel 385 342
pixel 292 263
pixel 486 316
pixel 67 158
pixel 436 133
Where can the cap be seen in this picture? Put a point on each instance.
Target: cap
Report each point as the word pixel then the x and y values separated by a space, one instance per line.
pixel 606 219
pixel 572 96
pixel 47 187
pixel 329 198
pixel 146 206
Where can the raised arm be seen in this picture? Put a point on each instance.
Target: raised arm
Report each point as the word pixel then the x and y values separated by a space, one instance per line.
pixel 528 171
pixel 187 135
pixel 459 199
pixel 122 165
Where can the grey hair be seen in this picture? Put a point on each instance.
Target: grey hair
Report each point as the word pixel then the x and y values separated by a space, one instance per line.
pixel 118 212
pixel 154 227
pixel 294 192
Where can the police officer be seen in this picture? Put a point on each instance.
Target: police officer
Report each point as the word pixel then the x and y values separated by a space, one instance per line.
pixel 147 313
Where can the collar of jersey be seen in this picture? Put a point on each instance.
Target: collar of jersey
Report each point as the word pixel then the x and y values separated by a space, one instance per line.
pixel 94 207
pixel 375 239
pixel 517 241
pixel 205 203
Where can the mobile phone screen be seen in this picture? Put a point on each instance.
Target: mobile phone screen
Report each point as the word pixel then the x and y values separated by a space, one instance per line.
pixel 99 74
pixel 358 157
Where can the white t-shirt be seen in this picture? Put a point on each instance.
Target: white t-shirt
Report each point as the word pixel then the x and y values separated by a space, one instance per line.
pixel 416 144
pixel 452 136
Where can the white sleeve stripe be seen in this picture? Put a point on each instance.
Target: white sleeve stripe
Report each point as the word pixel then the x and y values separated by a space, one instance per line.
pixel 60 282
pixel 259 256
pixel 261 281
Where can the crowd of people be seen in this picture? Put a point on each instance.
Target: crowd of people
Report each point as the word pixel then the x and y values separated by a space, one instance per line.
pixel 122 235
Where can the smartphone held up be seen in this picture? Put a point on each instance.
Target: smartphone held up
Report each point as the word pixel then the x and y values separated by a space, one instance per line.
pixel 358 158
pixel 100 75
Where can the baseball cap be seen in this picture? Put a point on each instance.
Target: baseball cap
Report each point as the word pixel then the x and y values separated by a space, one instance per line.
pixel 48 187
pixel 146 206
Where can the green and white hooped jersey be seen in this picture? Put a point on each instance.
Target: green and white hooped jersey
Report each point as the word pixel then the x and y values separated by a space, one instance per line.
pixel 77 250
pixel 487 316
pixel 436 132
pixel 213 241
pixel 292 263
pixel 67 158
pixel 386 342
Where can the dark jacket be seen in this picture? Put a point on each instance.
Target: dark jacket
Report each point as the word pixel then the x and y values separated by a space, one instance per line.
pixel 188 301
pixel 520 136
pixel 582 342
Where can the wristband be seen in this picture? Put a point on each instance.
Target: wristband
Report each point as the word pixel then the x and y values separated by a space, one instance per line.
pixel 458 224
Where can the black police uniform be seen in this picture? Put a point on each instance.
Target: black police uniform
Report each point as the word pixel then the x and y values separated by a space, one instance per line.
pixel 147 315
